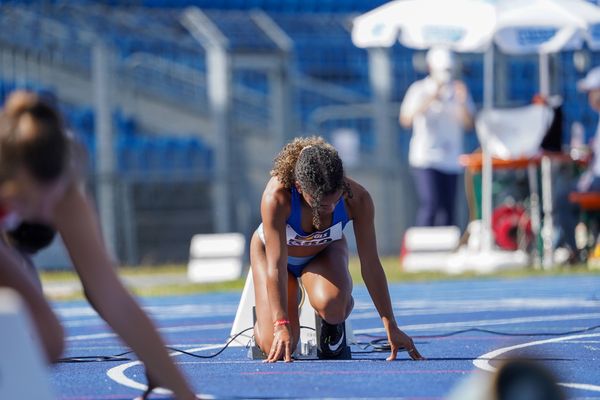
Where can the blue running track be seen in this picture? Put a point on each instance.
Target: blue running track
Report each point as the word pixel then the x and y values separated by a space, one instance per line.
pixel 201 323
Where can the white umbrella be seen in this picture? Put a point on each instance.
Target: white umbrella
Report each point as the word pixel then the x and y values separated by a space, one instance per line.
pixel 516 26
pixel 545 26
pixel 463 25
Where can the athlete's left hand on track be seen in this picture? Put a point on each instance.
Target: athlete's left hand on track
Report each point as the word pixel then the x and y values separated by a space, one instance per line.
pixel 397 340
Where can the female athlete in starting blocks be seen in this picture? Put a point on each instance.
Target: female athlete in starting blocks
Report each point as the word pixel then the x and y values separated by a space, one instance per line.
pixel 39 182
pixel 305 207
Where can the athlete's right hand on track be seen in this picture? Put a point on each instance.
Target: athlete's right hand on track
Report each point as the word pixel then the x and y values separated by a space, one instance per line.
pixel 282 344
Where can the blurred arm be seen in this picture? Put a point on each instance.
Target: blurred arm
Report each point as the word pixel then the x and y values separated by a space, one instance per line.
pixel 48 327
pixel 77 223
pixel 416 102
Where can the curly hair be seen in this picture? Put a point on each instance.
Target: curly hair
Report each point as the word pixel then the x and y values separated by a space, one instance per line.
pixel 315 165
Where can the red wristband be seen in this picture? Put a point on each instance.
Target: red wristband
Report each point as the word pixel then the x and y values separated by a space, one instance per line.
pixel 281 322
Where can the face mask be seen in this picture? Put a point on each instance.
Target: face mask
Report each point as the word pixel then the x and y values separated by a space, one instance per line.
pixel 442 75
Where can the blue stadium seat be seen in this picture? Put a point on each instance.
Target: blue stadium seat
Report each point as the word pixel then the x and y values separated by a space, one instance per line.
pixel 322 44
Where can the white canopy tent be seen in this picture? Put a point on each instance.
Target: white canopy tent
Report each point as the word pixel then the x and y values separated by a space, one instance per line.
pixel 514 26
pixel 413 23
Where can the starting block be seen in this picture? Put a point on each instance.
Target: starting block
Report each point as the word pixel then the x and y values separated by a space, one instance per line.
pixel 216 257
pixel 307 345
pixel 23 373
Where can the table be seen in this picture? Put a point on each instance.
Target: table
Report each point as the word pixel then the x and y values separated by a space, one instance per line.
pixel 543 227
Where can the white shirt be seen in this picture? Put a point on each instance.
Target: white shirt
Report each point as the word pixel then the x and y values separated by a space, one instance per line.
pixel 437 139
pixel 596 152
pixel 584 182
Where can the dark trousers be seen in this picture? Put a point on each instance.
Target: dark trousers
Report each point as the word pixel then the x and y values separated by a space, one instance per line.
pixel 437 194
pixel 567 214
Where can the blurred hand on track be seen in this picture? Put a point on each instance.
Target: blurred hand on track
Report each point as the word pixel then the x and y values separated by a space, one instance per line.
pixel 153 385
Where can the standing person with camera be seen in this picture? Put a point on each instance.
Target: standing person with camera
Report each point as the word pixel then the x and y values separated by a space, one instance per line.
pixel 439 109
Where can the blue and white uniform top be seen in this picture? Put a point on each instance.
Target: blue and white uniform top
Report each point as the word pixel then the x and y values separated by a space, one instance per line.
pixel 295 235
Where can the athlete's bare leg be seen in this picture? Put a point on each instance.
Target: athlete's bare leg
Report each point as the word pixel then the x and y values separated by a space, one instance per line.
pixel 328 283
pixel 263 329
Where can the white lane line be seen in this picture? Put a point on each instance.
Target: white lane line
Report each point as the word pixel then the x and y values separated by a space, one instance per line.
pixel 408 306
pixel 582 386
pixel 91 336
pixel 194 328
pixel 117 373
pixel 528 302
pixel 583 342
pixel 483 362
pixel 190 328
pixel 182 346
pixel 362 315
pixel 453 307
pixel 486 322
pixel 99 322
pixel 179 309
pixel 436 308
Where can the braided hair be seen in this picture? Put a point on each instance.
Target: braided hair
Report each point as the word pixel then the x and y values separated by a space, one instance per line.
pixel 315 165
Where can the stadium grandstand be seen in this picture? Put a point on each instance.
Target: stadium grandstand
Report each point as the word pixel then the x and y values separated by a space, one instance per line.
pixel 164 242
pixel 166 132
